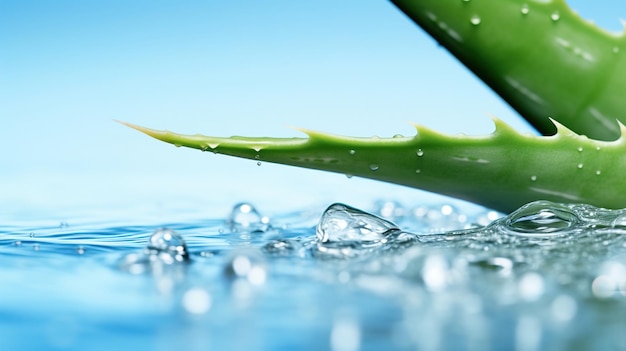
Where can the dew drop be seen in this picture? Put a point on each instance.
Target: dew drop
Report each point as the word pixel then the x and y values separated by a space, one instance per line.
pixel 615 49
pixel 397 136
pixel 533 178
pixel 598 172
pixel 32 234
pixel 420 152
pixel 36 247
pixel 475 20
pixel 580 166
pixel 418 171
pixel 352 152
pixel 258 163
pixel 257 157
pixel 246 218
pixel 580 149
pixel 80 250
pixel 525 9
pixel 555 16
pixel 374 166
pixel 541 217
pixel 349 175
pixel 598 148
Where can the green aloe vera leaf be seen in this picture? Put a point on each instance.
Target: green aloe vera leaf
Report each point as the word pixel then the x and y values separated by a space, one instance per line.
pixel 538 55
pixel 502 170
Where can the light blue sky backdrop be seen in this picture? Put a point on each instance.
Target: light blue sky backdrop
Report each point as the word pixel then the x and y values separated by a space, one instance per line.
pixel 354 67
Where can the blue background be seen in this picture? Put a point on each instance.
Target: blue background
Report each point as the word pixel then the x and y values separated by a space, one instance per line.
pixel 353 67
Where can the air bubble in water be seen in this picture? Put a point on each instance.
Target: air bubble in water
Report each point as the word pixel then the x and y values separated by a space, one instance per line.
pixel 245 218
pixel 344 224
pixel 542 217
pixel 168 246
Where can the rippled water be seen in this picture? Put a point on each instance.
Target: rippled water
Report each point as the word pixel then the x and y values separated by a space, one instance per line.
pixel 546 277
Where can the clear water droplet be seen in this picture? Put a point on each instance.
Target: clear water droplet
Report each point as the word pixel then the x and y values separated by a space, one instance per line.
pixel 246 218
pixel 373 166
pixel 533 178
pixel 397 136
pixel 475 20
pixel 349 175
pixel 555 16
pixel 580 166
pixel 344 224
pixel 36 247
pixel 598 148
pixel 418 171
pixel 352 152
pixel 580 149
pixel 17 243
pixel 32 234
pixel 168 246
pixel 247 264
pixel 615 49
pixel 420 152
pixel 525 10
pixel 258 163
pixel 541 217
pixel 80 250
pixel 63 225
pixel 598 172
pixel 257 157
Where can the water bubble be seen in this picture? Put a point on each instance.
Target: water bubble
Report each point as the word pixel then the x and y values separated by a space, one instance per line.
pixel 344 224
pixel 615 49
pixel 31 234
pixel 374 166
pixel 598 172
pixel 542 217
pixel 352 152
pixel 525 10
pixel 418 171
pixel 63 225
pixel 580 149
pixel 168 246
pixel 475 20
pixel 246 218
pixel 281 247
pixel 248 265
pixel 349 175
pixel 580 166
pixel 80 250
pixel 258 163
pixel 397 136
pixel 420 152
pixel 555 16
pixel 17 243
pixel 533 178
